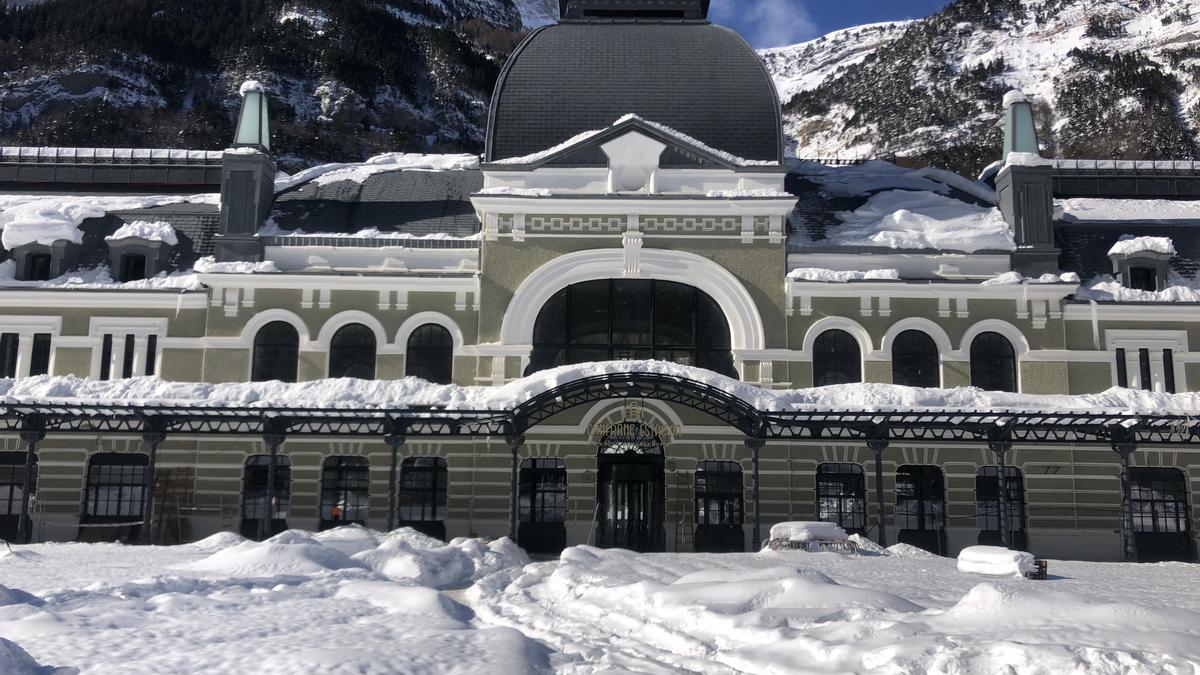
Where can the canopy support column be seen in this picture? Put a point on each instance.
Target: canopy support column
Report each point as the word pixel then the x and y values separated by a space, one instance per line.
pixel 395 438
pixel 515 440
pixel 755 445
pixel 878 442
pixel 273 436
pixel 33 431
pixel 1124 443
pixel 153 434
pixel 1000 443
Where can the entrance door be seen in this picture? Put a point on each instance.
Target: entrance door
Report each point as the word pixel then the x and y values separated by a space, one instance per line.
pixel 631 499
pixel 921 507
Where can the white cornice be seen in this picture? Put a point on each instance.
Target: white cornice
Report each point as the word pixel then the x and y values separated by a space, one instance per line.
pixel 617 206
pixel 1131 312
pixel 933 289
pixel 448 284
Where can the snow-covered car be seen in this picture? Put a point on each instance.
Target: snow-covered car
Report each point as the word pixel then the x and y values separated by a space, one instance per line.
pixel 813 537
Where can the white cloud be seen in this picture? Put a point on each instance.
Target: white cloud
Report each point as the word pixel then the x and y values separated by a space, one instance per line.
pixel 766 23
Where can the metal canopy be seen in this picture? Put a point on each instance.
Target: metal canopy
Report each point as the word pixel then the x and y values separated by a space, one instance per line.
pixel 432 422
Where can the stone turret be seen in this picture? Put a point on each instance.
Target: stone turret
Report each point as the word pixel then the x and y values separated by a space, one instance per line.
pixel 1025 188
pixel 247 180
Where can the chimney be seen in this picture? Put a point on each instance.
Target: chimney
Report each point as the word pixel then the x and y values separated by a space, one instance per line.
pixel 1025 191
pixel 247 180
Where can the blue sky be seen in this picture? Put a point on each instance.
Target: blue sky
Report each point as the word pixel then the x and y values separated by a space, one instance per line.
pixel 775 23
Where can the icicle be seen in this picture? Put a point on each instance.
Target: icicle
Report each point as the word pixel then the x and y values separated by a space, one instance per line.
pixel 178 304
pixel 1095 326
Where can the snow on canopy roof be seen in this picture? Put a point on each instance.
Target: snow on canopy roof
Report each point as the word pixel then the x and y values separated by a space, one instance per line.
pixel 412 393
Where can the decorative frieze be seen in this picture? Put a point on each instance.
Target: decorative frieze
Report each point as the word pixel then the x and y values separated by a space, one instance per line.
pixel 574 224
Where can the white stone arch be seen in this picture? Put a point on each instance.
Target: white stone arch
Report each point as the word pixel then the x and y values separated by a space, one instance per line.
pixel 745 321
pixel 1009 331
pixel 343 319
pixel 934 331
pixel 855 329
pixel 265 317
pixel 420 319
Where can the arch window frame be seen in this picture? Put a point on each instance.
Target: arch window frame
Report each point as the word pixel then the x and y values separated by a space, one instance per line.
pixel 353 352
pixel 282 362
pixel 914 345
pixel 614 319
pixel 989 370
pixel 837 358
pixel 432 361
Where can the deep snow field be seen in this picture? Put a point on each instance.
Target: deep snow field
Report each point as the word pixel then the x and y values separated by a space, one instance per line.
pixel 353 600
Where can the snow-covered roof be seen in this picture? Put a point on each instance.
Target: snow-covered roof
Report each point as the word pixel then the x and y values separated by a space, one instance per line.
pixel 156 230
pixel 1097 210
pixel 1131 244
pixel 359 172
pixel 412 392
pixel 45 219
pixel 841 277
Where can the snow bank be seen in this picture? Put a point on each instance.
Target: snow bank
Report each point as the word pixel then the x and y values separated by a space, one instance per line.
pixel 909 551
pixel 441 566
pixel 289 553
pixel 100 278
pixel 920 221
pixel 17 661
pixel 219 541
pixel 1016 278
pixel 359 172
pixel 516 192
pixel 16 596
pixel 840 277
pixel 209 265
pixel 808 531
pixel 411 392
pixel 1094 210
pixel 995 561
pixel 761 193
pixel 149 230
pixel 1130 244
pixel 1105 288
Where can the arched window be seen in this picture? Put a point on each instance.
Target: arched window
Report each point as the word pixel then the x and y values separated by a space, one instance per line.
pixel 276 353
pixel 430 354
pixel 255 504
pixel 352 352
pixel 842 496
pixel 719 507
pixel 423 485
pixel 115 494
pixel 987 507
pixel 619 319
pixel 543 505
pixel 836 359
pixel 345 483
pixel 12 482
pixel 993 363
pixel 915 360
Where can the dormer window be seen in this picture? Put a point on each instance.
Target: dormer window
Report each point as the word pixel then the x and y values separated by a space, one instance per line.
pixel 37 267
pixel 140 249
pixel 133 266
pixel 1143 278
pixel 1141 263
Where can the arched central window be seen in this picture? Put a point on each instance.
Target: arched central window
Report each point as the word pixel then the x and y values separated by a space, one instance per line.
pixel 915 360
pixel 619 319
pixel 993 363
pixel 276 353
pixel 352 352
pixel 836 359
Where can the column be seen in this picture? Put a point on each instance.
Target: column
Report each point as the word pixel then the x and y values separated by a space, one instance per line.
pixel 394 441
pixel 755 445
pixel 32 433
pixel 1001 448
pixel 515 441
pixel 152 435
pixel 1124 443
pixel 139 355
pixel 273 437
pixel 116 358
pixel 878 445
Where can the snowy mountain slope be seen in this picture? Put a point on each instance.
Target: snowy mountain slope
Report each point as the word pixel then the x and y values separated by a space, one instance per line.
pixel 348 78
pixel 1111 78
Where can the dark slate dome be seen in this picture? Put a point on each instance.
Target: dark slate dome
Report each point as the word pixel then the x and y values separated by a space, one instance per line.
pixel 585 73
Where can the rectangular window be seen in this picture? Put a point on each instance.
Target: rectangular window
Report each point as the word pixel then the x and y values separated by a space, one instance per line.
pixel 423 485
pixel 39 359
pixel 151 354
pixel 127 360
pixel 8 354
pixel 842 496
pixel 1144 369
pixel 1122 369
pixel 106 347
pixel 1169 370
pixel 115 488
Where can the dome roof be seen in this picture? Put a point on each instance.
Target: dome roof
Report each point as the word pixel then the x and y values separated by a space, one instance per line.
pixel 697 78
